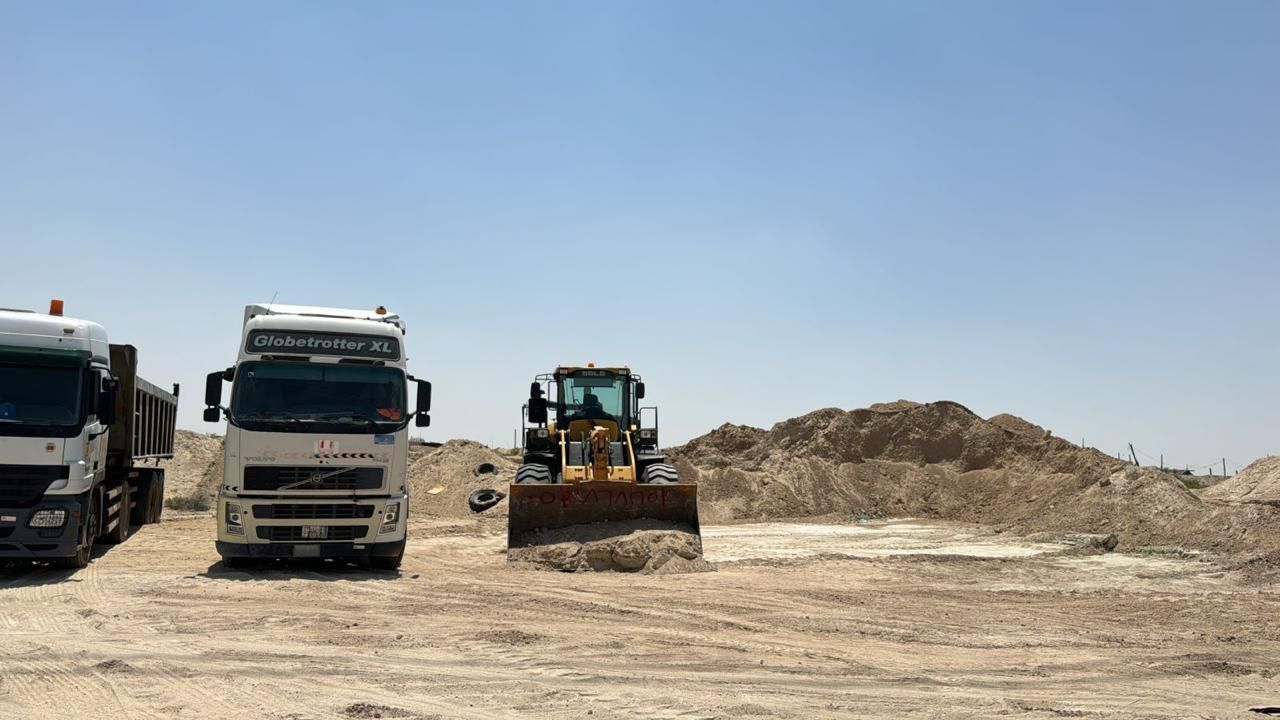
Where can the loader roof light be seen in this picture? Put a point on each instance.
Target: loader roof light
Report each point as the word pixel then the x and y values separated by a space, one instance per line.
pixel 55 307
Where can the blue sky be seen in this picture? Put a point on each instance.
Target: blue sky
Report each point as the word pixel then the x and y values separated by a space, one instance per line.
pixel 1068 211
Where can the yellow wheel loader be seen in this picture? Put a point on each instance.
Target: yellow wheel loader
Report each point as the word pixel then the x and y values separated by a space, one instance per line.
pixel 587 459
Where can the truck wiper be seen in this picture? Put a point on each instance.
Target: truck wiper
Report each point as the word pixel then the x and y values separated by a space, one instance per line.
pixel 265 416
pixel 347 415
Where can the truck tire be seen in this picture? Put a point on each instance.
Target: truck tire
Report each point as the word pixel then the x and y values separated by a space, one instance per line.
pixel 88 535
pixel 120 532
pixel 157 498
pixel 533 474
pixel 660 474
pixel 483 499
pixel 386 562
pixel 148 497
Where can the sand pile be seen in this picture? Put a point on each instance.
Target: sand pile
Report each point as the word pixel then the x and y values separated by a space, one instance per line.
pixel 192 476
pixel 453 471
pixel 941 460
pixel 1258 483
pixel 643 547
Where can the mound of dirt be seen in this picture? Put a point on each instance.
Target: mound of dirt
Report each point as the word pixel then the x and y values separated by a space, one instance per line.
pixel 942 460
pixel 636 546
pixel 453 471
pixel 1258 483
pixel 195 470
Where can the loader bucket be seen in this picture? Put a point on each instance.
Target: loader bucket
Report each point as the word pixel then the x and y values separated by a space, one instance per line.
pixel 535 508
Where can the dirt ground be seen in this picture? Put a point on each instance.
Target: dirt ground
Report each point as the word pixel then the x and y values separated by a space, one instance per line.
pixel 799 620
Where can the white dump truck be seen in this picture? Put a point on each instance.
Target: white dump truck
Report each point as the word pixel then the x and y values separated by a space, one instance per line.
pixel 317 436
pixel 76 426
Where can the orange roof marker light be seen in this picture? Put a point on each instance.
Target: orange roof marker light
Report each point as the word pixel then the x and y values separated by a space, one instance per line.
pixel 591 364
pixel 55 307
pixel 381 310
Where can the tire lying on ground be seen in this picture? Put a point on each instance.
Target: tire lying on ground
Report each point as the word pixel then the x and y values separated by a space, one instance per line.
pixel 660 474
pixel 533 474
pixel 483 499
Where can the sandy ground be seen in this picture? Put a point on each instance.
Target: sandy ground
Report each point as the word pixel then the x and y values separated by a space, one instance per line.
pixel 885 620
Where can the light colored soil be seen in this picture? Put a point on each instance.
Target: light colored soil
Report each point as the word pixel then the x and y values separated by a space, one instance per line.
pixel 1257 483
pixel 797 626
pixel 643 546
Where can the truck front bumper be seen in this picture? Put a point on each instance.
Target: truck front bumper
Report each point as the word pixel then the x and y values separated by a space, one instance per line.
pixel 347 551
pixel 20 540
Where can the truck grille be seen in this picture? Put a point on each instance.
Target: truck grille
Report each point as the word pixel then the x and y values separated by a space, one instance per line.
pixel 22 486
pixel 313 477
pixel 293 533
pixel 289 511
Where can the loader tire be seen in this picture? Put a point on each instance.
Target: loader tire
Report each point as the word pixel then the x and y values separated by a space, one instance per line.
pixel 660 474
pixel 533 474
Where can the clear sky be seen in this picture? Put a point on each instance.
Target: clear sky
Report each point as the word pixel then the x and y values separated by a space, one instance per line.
pixel 1069 211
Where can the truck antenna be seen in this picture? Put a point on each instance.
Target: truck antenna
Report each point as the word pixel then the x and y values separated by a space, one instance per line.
pixel 272 302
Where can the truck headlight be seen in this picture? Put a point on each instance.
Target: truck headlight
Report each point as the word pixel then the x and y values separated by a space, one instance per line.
pixel 235 521
pixel 49 518
pixel 390 518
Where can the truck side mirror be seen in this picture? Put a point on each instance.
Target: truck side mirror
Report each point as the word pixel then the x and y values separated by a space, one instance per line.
pixel 422 420
pixel 424 396
pixel 213 390
pixel 212 414
pixel 639 391
pixel 538 410
pixel 107 398
pixel 535 390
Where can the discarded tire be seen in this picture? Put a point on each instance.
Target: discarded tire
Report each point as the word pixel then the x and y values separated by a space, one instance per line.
pixel 660 474
pixel 482 500
pixel 485 469
pixel 533 475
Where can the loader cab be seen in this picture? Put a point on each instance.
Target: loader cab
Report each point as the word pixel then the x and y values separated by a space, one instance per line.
pixel 576 399
pixel 593 398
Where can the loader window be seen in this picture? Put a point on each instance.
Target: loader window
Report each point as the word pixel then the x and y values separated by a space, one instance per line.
pixel 593 396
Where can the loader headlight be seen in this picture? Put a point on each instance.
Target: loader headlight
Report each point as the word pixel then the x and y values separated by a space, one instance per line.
pixel 648 434
pixel 49 518
pixel 390 518
pixel 235 520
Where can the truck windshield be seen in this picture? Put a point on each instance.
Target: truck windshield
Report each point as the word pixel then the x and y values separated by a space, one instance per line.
pixel 45 396
pixel 300 397
pixel 592 394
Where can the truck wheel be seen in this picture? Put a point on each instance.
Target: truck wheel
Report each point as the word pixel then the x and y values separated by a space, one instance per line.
pixel 483 499
pixel 660 474
pixel 388 562
pixel 120 532
pixel 88 534
pixel 157 496
pixel 533 474
pixel 148 497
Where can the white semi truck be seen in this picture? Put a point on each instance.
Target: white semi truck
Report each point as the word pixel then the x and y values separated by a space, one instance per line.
pixel 317 436
pixel 76 424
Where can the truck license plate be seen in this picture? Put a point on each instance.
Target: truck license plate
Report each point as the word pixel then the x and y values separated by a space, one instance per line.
pixel 315 532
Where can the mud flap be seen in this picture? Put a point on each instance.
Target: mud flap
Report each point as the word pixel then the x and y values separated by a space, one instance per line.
pixel 532 508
